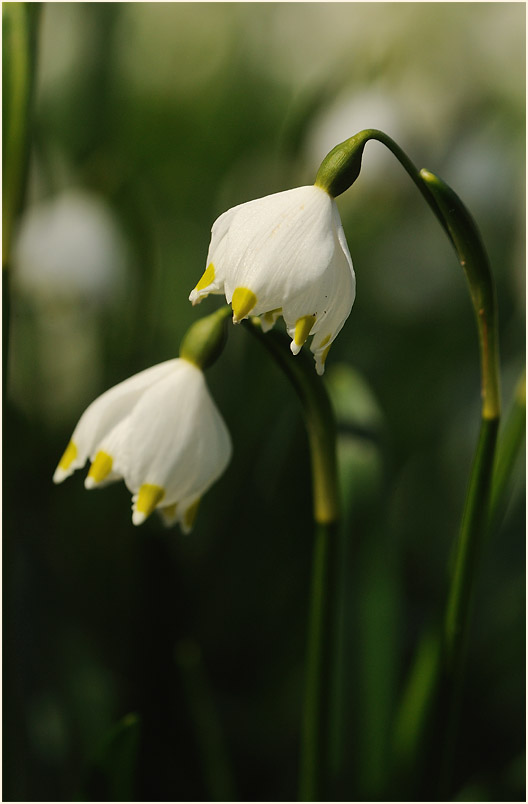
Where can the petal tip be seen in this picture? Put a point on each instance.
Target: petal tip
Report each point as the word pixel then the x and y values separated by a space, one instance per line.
pixel 147 499
pixel 67 464
pixel 138 517
pixel 60 474
pixel 243 301
pixel 188 519
pixel 195 298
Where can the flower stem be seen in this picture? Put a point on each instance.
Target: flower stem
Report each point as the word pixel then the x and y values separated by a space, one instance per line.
pixel 508 449
pixel 19 57
pixel 473 259
pixel 19 30
pixel 341 167
pixel 318 417
pixel 470 537
pixel 319 768
pixel 337 173
pixel 320 761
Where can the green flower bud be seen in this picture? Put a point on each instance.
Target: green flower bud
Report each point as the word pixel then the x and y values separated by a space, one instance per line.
pixel 341 167
pixel 203 342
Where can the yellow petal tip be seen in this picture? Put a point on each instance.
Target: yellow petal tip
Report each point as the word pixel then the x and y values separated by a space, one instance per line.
pixel 207 278
pixel 148 498
pixel 303 328
pixel 243 301
pixel 64 469
pixel 99 470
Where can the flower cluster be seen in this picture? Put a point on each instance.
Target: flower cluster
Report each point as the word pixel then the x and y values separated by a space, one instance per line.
pixel 284 254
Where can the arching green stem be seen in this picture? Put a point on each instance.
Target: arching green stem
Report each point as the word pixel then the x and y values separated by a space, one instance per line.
pixel 474 261
pixel 338 172
pixel 317 766
pixel 341 167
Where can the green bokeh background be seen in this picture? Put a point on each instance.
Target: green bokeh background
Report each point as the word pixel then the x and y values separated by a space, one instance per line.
pixel 168 114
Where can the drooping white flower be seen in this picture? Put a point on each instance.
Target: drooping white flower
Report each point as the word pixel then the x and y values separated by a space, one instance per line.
pixel 162 433
pixel 284 254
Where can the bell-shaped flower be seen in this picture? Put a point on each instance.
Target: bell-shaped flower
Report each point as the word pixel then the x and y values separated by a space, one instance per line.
pixel 162 433
pixel 285 254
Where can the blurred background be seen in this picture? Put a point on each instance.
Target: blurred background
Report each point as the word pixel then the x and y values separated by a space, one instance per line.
pixel 140 664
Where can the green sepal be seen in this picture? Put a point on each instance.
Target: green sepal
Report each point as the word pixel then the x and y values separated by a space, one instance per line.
pixel 204 341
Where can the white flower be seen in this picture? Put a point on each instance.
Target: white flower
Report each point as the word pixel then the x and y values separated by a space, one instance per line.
pixel 161 432
pixel 285 254
pixel 68 247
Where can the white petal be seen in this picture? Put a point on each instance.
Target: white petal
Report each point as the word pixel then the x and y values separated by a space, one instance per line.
pixel 269 319
pixel 285 254
pixel 276 245
pixel 186 513
pixel 331 323
pixel 215 258
pixel 105 412
pixel 177 439
pixel 329 298
pixel 169 514
pixel 114 446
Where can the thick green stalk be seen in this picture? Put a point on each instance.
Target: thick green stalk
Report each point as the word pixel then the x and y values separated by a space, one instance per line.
pixel 467 242
pixel 471 535
pixel 317 766
pixel 473 259
pixel 319 763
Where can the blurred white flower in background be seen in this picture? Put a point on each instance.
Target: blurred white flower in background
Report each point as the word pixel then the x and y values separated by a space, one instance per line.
pixel 350 113
pixel 70 262
pixel 70 246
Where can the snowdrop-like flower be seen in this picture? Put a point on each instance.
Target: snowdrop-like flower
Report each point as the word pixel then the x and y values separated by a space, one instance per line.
pixel 284 254
pixel 161 432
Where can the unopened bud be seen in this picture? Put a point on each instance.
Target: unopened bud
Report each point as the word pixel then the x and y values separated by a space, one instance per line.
pixel 203 342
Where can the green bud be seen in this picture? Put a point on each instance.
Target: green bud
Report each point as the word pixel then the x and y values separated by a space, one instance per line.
pixel 203 342
pixel 341 167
